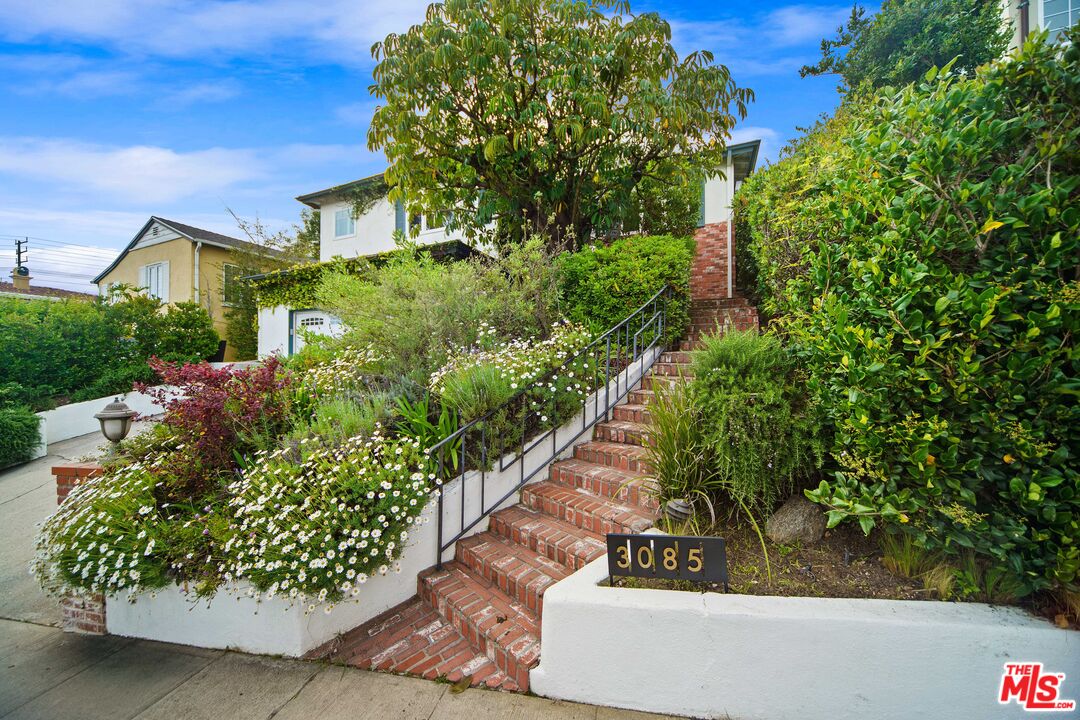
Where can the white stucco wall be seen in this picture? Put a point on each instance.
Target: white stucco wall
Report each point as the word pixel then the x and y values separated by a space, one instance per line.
pixel 718 194
pixel 374 232
pixel 233 620
pixel 273 331
pixel 75 419
pixel 776 658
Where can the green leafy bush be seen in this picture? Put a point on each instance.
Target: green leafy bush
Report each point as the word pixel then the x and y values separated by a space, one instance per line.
pixel 936 310
pixel 418 311
pixel 602 284
pixel 760 430
pixel 741 434
pixel 84 350
pixel 20 435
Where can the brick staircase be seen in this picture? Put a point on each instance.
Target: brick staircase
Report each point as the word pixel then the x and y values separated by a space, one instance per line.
pixel 479 615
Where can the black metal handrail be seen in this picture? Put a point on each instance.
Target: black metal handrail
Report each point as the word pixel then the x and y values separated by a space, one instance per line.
pixel 605 359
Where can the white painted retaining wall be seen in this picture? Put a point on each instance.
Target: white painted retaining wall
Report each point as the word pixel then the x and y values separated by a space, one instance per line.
pixel 777 658
pixel 75 419
pixel 230 619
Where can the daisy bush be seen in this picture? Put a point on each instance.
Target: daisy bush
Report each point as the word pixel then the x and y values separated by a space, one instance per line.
pixel 520 388
pixel 315 528
pixel 113 534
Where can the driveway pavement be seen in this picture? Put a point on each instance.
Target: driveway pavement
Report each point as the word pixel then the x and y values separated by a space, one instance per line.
pixel 46 674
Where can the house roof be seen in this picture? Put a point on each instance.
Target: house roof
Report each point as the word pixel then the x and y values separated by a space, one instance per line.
pixel 190 232
pixel 8 289
pixel 318 199
pixel 744 156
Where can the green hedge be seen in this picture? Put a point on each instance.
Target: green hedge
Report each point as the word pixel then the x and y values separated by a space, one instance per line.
pixel 82 350
pixel 927 279
pixel 601 285
pixel 19 435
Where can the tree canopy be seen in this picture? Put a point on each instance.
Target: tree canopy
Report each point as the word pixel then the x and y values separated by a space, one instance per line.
pixel 906 38
pixel 544 115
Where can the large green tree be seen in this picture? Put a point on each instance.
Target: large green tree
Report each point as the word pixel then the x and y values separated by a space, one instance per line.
pixel 898 44
pixel 544 115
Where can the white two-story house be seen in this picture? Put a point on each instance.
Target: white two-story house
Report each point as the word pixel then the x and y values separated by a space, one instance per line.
pixel 343 234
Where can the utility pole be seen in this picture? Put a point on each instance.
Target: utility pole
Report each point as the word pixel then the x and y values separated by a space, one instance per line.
pixel 20 275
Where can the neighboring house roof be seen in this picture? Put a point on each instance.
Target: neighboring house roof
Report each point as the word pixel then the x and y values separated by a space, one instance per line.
pixel 744 156
pixel 192 233
pixel 7 290
pixel 318 199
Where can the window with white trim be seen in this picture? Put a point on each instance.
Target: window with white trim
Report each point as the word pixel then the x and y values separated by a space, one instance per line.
pixel 154 279
pixel 344 223
pixel 1059 15
pixel 231 287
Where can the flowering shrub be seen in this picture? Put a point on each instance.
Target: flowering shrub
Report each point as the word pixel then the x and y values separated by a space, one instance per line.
pixel 316 528
pixel 511 365
pixel 346 371
pixel 508 382
pixel 113 534
pixel 218 415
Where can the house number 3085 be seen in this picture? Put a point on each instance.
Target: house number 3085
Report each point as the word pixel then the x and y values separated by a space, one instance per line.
pixel 703 559
pixel 669 558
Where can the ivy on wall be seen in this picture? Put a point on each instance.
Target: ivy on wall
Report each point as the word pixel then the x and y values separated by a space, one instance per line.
pixel 295 286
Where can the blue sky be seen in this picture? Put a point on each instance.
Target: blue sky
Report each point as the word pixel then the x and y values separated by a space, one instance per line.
pixel 115 110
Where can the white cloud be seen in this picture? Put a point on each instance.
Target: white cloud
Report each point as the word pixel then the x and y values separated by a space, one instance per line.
pixel 137 174
pixel 201 93
pixel 796 24
pixel 770 140
pixel 357 113
pixel 336 29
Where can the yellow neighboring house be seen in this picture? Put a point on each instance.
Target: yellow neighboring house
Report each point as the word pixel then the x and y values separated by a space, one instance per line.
pixel 174 262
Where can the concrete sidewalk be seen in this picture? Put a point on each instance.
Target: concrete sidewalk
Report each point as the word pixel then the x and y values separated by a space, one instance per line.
pixel 47 674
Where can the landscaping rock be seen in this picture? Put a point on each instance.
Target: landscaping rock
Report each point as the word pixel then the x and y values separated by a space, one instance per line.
pixel 797 520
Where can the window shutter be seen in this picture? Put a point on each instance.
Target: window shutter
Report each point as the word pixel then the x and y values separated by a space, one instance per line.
pixel 399 217
pixel 144 280
pixel 163 282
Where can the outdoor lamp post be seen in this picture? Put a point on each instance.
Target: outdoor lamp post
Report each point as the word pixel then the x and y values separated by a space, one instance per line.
pixel 116 420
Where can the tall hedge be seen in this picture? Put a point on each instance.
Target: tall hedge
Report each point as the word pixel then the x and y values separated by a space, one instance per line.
pixel 82 350
pixel 19 435
pixel 601 284
pixel 929 282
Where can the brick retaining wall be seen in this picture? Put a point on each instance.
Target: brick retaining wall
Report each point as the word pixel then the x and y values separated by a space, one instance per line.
pixel 81 614
pixel 709 271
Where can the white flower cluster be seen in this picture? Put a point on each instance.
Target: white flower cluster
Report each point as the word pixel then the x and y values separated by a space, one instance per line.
pixel 314 531
pixel 344 371
pixel 521 361
pixel 104 537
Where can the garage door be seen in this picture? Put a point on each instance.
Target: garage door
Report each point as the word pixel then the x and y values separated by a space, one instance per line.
pixel 306 323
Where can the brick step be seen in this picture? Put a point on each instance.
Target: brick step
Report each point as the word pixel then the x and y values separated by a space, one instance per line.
pixel 501 628
pixel 584 510
pixel 632 412
pixel 633 458
pixel 671 369
pixel 717 303
pixel 548 536
pixel 515 569
pixel 650 382
pixel 686 345
pixel 621 431
pixel 675 357
pixel 641 396
pixel 413 639
pixel 630 488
